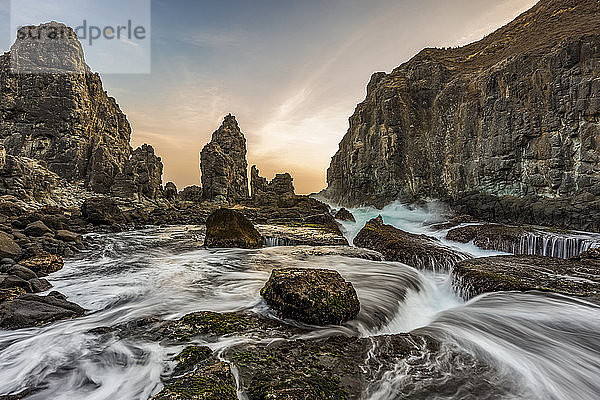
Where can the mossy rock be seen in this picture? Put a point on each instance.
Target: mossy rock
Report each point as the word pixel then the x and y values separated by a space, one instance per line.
pixel 227 228
pixel 208 382
pixel 190 357
pixel 312 296
pixel 345 368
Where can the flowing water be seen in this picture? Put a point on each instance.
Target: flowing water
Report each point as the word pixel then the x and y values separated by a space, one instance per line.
pixel 547 347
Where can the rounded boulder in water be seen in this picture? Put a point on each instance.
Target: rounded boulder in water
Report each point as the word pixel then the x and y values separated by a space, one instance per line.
pixel 313 296
pixel 227 228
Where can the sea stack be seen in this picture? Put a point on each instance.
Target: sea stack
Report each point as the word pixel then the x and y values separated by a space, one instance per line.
pixel 224 165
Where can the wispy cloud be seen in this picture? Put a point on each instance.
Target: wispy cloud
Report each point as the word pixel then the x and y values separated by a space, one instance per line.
pixel 216 38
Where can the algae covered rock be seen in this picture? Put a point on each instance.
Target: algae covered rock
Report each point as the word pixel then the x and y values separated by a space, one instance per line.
pixel 418 251
pixel 227 228
pixel 312 296
pixel 199 375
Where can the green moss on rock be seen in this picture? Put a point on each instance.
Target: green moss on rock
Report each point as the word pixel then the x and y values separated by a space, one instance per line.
pixel 313 296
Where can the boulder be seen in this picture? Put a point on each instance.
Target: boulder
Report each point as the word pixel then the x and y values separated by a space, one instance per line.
pixel 8 281
pixel 22 272
pixel 312 296
pixel 102 211
pixel 37 229
pixel 8 247
pixel 31 310
pixel 224 165
pixel 418 251
pixel 525 273
pixel 67 236
pixel 340 367
pixel 344 215
pixel 227 228
pixel 40 285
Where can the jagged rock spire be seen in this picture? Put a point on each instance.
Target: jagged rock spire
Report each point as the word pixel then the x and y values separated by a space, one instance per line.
pixel 223 164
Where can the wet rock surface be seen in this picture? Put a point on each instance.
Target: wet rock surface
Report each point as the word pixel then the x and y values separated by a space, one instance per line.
pixel 418 251
pixel 312 296
pixel 229 228
pixel 301 235
pixel 575 277
pixel 31 310
pixel 524 240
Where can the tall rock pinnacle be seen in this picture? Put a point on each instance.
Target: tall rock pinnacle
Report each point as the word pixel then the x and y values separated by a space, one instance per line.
pixel 224 165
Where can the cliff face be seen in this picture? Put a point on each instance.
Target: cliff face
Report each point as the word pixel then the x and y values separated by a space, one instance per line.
pixel 223 164
pixel 515 115
pixel 63 118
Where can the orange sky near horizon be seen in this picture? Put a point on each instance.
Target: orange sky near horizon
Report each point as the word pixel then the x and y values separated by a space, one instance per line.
pixel 291 93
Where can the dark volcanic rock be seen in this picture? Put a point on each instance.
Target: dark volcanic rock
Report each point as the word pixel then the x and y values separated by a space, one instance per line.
pixel 25 178
pixel 30 310
pixel 524 273
pixel 191 193
pixel 312 296
pixel 8 247
pixel 488 236
pixel 102 211
pixel 37 229
pixel 170 192
pixel 344 215
pixel 228 228
pixel 418 251
pixel 64 119
pixel 505 128
pixel 141 176
pixel 279 192
pixel 211 379
pixel 223 164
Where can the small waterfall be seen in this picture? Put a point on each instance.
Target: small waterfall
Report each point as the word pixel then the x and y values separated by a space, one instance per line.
pixel 279 242
pixel 552 246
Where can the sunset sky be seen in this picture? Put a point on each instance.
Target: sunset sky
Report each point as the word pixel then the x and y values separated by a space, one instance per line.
pixel 291 71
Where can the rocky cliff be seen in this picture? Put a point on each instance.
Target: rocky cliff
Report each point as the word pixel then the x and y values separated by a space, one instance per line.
pixel 55 110
pixel 506 128
pixel 223 164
